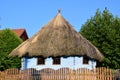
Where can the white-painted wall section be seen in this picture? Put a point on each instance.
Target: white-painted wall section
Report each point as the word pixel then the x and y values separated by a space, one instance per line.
pixel 69 62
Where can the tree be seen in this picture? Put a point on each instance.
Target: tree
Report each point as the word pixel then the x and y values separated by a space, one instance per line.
pixel 8 41
pixel 103 30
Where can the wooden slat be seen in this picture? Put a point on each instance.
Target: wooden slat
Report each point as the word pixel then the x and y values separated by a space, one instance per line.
pixel 60 74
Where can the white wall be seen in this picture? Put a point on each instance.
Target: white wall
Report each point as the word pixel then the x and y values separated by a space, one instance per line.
pixel 69 62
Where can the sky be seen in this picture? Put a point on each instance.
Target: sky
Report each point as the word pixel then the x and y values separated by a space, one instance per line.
pixel 34 14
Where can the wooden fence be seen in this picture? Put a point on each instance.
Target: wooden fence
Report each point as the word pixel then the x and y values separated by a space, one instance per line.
pixel 60 74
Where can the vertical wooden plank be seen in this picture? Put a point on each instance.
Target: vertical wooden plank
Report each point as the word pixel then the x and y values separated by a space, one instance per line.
pixel 61 74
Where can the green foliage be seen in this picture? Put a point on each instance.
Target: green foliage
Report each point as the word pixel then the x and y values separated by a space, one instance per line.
pixel 8 41
pixel 103 30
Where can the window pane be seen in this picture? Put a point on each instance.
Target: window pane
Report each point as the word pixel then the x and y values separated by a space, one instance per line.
pixel 85 60
pixel 40 60
pixel 56 60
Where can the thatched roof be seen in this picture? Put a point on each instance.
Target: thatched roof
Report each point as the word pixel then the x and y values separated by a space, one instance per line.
pixel 57 38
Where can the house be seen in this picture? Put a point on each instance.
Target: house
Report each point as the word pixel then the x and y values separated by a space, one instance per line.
pixel 57 45
pixel 21 33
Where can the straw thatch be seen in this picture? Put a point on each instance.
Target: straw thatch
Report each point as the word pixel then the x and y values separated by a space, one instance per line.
pixel 57 38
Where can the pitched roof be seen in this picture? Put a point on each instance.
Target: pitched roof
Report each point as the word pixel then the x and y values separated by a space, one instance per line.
pixel 19 32
pixel 57 38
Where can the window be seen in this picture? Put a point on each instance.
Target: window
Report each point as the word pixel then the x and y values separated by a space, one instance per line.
pixel 85 60
pixel 40 61
pixel 56 60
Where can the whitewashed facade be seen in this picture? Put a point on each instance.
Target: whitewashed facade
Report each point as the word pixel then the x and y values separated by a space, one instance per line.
pixel 69 62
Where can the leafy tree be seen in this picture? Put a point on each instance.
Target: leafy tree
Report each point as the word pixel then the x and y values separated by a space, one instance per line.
pixel 8 41
pixel 103 30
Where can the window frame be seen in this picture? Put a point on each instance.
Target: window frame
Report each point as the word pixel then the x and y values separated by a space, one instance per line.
pixel 56 60
pixel 85 60
pixel 40 61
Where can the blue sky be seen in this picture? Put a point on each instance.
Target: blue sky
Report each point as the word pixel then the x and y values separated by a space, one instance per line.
pixel 34 14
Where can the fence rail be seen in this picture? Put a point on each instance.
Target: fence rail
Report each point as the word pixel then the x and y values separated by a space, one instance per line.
pixel 60 74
